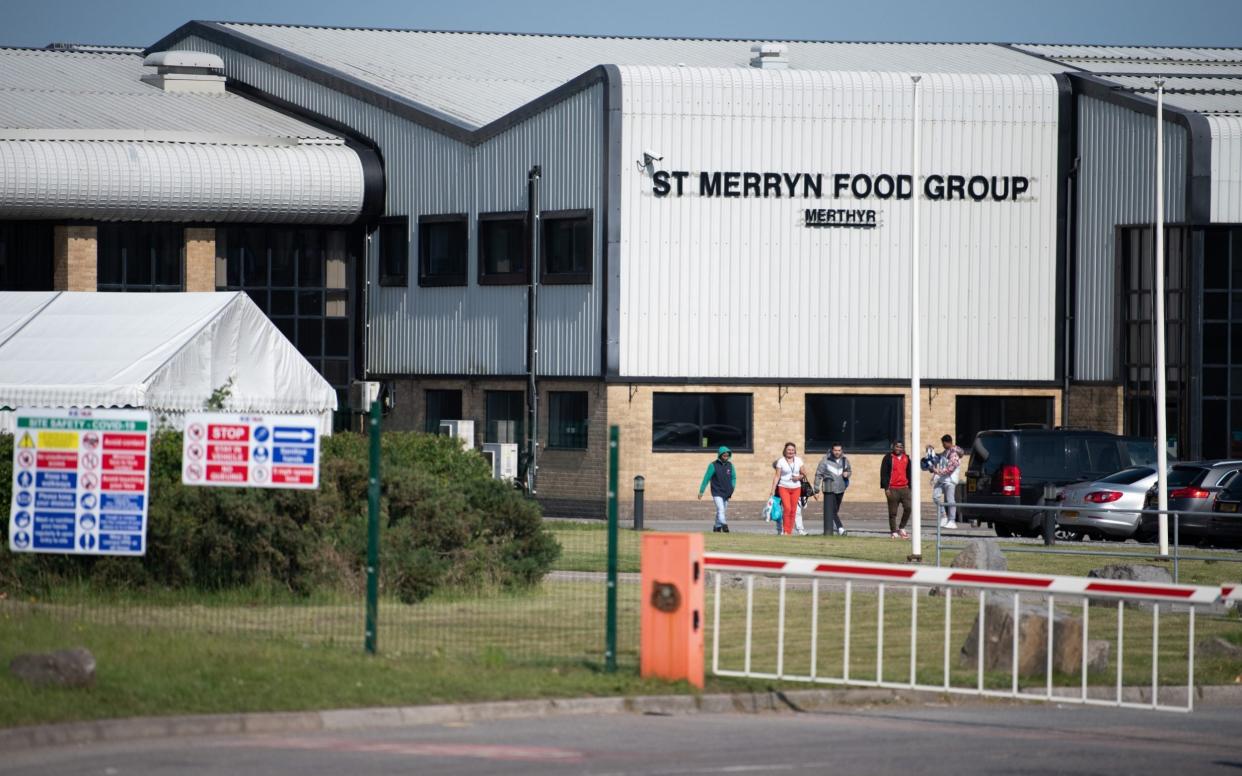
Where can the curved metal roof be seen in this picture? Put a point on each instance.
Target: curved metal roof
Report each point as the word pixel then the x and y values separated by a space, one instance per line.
pixel 82 137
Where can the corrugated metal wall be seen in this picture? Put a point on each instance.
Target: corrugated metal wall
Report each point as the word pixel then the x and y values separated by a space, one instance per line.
pixel 1116 185
pixel 1226 168
pixel 739 288
pixel 470 330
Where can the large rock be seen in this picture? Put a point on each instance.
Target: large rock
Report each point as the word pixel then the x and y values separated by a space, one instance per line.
pixel 980 555
pixel 66 668
pixel 1130 572
pixel 1032 642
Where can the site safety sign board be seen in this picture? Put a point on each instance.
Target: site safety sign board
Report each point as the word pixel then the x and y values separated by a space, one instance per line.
pixel 80 481
pixel 250 451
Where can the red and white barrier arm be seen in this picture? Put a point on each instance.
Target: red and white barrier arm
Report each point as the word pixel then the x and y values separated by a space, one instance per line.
pixel 928 576
pixel 1231 592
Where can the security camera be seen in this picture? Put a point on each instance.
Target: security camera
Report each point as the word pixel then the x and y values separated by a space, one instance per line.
pixel 651 156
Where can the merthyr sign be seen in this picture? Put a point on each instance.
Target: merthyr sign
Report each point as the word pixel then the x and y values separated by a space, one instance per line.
pixel 250 451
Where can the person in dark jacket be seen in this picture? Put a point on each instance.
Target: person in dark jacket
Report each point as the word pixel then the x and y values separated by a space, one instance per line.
pixel 832 477
pixel 895 482
pixel 722 477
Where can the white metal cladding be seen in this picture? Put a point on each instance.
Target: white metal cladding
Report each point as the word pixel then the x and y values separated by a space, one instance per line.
pixel 136 181
pixel 1143 59
pixel 739 288
pixel 477 77
pixel 1116 186
pixel 471 330
pixel 1226 168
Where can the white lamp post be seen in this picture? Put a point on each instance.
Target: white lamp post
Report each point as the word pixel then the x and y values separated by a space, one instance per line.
pixel 1162 423
pixel 916 489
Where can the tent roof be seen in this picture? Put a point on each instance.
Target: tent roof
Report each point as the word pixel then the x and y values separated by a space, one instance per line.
pixel 166 352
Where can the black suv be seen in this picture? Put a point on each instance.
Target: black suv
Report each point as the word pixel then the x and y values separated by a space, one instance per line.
pixel 1011 468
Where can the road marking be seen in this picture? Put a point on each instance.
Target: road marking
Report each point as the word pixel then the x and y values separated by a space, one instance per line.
pixel 475 751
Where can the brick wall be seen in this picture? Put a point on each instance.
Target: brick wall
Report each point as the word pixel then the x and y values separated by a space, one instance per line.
pixel 200 259
pixel 1096 406
pixel 672 479
pixel 570 482
pixel 75 254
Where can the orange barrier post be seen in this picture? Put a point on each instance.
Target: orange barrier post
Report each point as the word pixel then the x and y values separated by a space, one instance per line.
pixel 672 607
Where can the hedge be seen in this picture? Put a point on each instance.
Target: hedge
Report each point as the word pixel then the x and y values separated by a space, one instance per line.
pixel 444 522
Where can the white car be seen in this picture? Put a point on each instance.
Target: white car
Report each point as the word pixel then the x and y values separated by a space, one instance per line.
pixel 1110 505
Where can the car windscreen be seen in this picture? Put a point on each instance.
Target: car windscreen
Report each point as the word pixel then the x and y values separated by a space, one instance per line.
pixel 1182 476
pixel 989 453
pixel 1141 452
pixel 1128 476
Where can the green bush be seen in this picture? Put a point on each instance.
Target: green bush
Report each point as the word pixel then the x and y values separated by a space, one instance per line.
pixel 445 524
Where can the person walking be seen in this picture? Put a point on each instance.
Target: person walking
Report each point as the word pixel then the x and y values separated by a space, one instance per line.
pixel 832 477
pixel 946 471
pixel 895 482
pixel 787 482
pixel 722 477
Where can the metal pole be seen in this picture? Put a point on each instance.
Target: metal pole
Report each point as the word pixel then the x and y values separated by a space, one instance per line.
pixel 640 486
pixel 1162 421
pixel 610 624
pixel 373 509
pixel 916 489
pixel 532 329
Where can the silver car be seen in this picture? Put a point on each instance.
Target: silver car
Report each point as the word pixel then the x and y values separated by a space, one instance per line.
pixel 1110 505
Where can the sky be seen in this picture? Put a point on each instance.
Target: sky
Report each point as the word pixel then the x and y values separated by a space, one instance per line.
pixel 1167 22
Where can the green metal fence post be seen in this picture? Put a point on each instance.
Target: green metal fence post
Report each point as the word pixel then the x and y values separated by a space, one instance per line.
pixel 373 504
pixel 610 626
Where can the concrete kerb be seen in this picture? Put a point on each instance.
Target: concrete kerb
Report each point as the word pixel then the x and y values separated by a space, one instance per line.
pixel 771 701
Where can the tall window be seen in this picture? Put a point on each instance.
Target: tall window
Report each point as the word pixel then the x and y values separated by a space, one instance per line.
pixel 694 421
pixel 1222 343
pixel 141 257
pixel 503 249
pixel 394 251
pixel 505 413
pixel 1136 253
pixel 982 413
pixel 300 279
pixel 859 423
pixel 567 420
pixel 442 250
pixel 26 256
pixel 441 405
pixel 566 247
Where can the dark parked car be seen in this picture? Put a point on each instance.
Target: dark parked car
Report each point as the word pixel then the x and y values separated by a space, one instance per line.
pixel 1193 488
pixel 1226 524
pixel 1011 468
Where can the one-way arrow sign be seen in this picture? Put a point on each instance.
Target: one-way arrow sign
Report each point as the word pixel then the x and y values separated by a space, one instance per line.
pixel 293 434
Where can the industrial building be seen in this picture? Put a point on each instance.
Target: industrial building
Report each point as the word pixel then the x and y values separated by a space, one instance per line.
pixel 724 232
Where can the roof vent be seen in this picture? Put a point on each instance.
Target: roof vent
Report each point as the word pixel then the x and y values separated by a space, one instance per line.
pixel 185 71
pixel 769 56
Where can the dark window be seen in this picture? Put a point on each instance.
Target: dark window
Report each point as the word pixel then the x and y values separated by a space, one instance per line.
pixel 567 420
pixel 442 250
pixel 503 249
pixel 989 453
pixel 26 256
pixel 505 413
pixel 858 423
pixel 394 251
pixel 1042 457
pixel 141 257
pixel 301 278
pixel 694 421
pixel 1129 476
pixel 441 405
pixel 985 413
pixel 565 255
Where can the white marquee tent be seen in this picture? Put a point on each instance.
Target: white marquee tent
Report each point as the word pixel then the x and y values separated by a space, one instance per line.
pixel 162 352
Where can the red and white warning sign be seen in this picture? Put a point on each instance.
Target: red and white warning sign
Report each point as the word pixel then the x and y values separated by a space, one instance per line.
pixel 251 451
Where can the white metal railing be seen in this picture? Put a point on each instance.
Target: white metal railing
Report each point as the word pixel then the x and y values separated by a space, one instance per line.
pixel 848 575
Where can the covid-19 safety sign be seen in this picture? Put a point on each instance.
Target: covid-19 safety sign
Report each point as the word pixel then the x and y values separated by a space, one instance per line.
pixel 250 451
pixel 80 481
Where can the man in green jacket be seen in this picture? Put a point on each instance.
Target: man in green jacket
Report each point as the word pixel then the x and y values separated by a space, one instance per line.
pixel 723 479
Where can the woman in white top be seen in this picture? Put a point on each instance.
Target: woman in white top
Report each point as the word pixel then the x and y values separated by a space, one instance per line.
pixel 787 483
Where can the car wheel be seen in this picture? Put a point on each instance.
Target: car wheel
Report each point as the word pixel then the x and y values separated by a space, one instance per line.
pixel 1003 531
